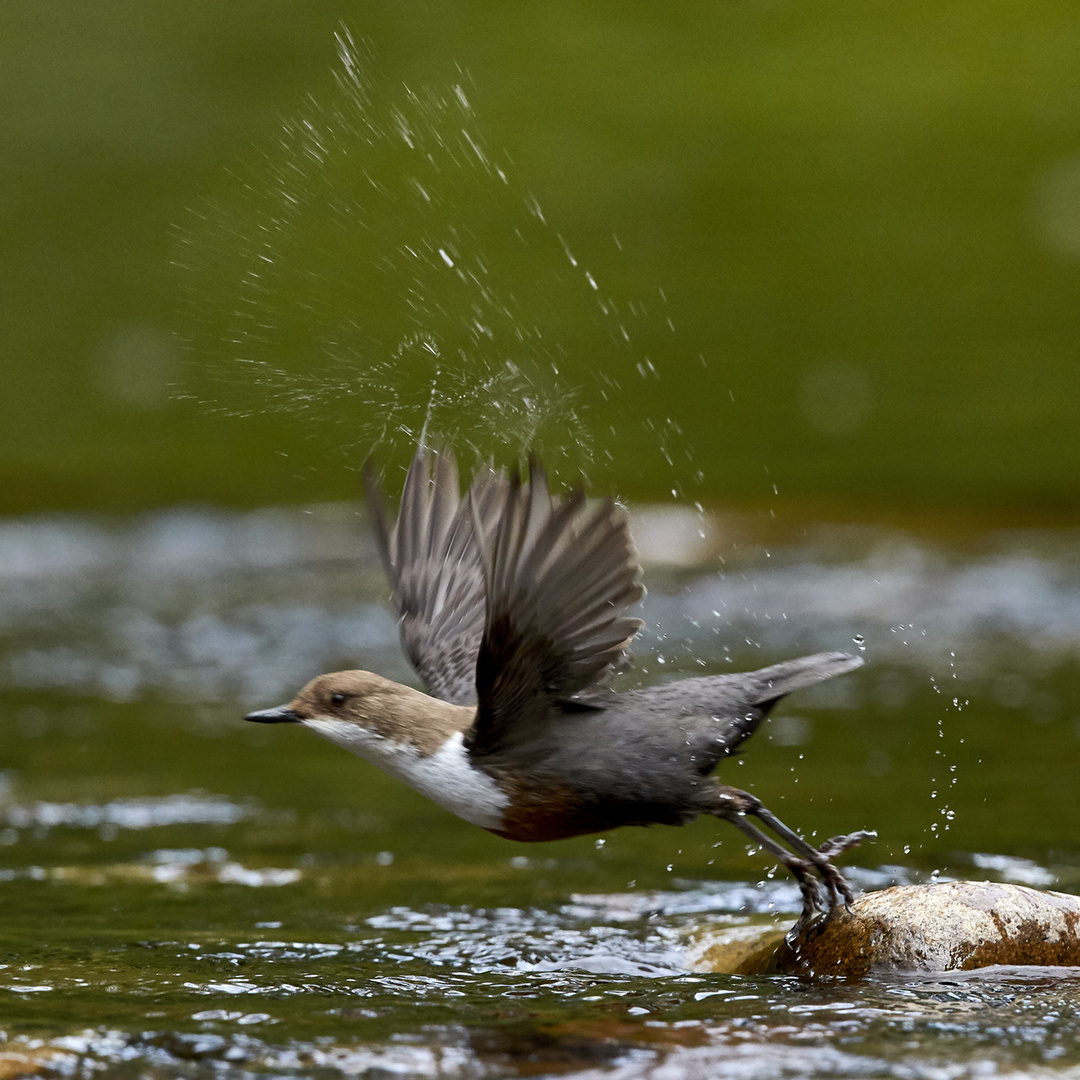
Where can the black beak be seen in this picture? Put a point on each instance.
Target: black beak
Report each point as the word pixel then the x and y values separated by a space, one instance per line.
pixel 281 715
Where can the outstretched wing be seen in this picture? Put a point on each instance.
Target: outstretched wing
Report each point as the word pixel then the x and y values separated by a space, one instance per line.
pixel 433 561
pixel 559 576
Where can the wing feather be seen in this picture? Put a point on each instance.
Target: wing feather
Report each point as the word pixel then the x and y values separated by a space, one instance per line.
pixel 432 557
pixel 559 576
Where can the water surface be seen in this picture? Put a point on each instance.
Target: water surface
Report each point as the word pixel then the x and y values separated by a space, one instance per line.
pixel 184 894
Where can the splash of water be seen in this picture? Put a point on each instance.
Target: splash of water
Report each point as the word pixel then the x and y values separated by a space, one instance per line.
pixel 372 273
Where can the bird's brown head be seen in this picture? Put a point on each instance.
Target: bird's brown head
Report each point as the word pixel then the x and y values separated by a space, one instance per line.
pixel 340 695
pixel 362 700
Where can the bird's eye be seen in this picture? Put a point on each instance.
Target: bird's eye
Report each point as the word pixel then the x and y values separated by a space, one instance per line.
pixel 337 699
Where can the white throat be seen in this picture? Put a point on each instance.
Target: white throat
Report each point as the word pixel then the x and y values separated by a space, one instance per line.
pixel 446 777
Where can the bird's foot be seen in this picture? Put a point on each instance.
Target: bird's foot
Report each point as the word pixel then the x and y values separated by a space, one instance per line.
pixel 818 897
pixel 839 844
pixel 836 885
pixel 805 862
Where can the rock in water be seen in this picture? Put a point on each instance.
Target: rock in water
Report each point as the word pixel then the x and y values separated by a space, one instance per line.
pixel 946 926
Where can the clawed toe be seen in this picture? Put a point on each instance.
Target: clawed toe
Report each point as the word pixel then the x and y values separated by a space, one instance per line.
pixel 832 883
pixel 807 863
pixel 836 887
pixel 839 844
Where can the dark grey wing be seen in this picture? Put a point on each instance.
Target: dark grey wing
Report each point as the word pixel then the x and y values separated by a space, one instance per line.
pixel 433 562
pixel 559 577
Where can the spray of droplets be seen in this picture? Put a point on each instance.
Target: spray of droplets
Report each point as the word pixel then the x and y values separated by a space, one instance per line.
pixel 944 780
pixel 371 274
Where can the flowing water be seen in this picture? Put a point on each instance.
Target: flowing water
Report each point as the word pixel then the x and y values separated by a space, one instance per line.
pixel 188 895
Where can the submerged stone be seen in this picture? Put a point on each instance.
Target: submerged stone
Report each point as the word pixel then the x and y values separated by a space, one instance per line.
pixel 945 926
pixel 741 949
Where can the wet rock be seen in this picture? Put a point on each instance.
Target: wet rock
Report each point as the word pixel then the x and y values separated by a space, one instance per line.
pixel 742 949
pixel 946 926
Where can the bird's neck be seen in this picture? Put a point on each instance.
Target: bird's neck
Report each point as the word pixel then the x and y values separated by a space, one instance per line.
pixel 416 719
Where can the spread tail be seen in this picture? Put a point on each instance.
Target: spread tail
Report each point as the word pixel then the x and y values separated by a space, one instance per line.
pixel 764 688
pixel 780 679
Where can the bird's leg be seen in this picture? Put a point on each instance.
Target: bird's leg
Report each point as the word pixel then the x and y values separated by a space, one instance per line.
pixel 820 857
pixel 736 806
pixel 800 868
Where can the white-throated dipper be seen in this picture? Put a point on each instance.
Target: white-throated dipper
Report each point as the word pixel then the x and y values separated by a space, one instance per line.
pixel 513 612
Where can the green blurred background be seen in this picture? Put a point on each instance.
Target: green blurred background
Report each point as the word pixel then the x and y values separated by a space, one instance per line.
pixel 864 220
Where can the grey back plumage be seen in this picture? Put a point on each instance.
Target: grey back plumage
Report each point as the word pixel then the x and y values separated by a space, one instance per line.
pixel 737 703
pixel 647 746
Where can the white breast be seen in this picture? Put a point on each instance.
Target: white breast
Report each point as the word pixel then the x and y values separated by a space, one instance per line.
pixel 446 777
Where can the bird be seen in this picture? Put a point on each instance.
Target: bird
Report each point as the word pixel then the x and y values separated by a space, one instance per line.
pixel 512 605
